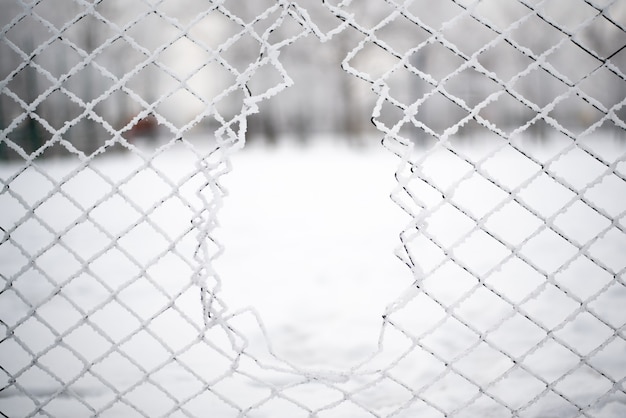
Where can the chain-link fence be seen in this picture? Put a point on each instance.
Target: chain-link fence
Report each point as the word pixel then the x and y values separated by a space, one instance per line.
pixel 119 120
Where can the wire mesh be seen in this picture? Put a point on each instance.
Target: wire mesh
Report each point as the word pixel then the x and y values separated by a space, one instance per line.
pixel 516 250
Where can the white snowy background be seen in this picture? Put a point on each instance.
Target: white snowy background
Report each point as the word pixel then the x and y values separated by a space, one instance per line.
pixel 309 235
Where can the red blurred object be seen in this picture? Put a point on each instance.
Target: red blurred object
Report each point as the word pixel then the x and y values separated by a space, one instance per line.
pixel 144 128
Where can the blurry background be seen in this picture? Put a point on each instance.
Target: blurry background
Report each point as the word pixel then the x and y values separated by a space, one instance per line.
pixel 517 248
pixel 144 72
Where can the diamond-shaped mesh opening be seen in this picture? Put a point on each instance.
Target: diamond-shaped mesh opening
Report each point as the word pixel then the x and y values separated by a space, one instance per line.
pixel 413 35
pixel 604 86
pixel 578 168
pixel 498 167
pixel 243 52
pixel 575 280
pixel 114 12
pixel 449 283
pixel 211 81
pixel 484 364
pixel 607 247
pixel 248 13
pixel 88 33
pixel 89 83
pixel 517 336
pixel 576 121
pixel 151 83
pixel 116 267
pixel 551 402
pixel 456 34
pixel 148 39
pixel 500 13
pixel 538 45
pixel 602 36
pixel 569 52
pixel 372 399
pixel 86 136
pixel 373 61
pixel 391 115
pixel 28 84
pixel 606 303
pixel 535 195
pixel 604 360
pixel 473 309
pixel 507 113
pixel 36 33
pixel 170 107
pixel 448 112
pixel 58 58
pixel 448 224
pixel 581 233
pixel 90 293
pixel 119 57
pixel 265 78
pixel 560 251
pixel 491 195
pixel 529 388
pixel 22 236
pixel 564 361
pixel 435 394
pixel 540 87
pixel 550 307
pixel 520 222
pixel 491 253
pixel 606 148
pixel 489 142
pixel 504 60
pixel 584 333
pixel 37 336
pixel 184 11
pixel 202 32
pixel 115 109
pixel 15 210
pixel 471 87
pixel 454 166
pixel 58 108
pixel 173 57
pixel 398 90
pixel 85 240
pixel 54 14
pixel 572 386
pixel 542 142
pixel 29 135
pixel 435 60
pixel 580 11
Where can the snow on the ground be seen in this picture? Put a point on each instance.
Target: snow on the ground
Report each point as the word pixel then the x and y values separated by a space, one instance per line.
pixel 309 235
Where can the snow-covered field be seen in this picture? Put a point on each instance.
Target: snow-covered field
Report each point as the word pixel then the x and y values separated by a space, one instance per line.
pixel 104 308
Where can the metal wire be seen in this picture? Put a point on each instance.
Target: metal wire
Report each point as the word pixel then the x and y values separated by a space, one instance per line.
pixel 438 354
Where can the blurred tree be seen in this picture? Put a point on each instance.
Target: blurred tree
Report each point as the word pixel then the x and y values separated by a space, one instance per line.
pixel 165 73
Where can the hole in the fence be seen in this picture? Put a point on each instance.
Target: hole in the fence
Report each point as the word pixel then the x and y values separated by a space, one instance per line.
pixel 309 229
pixel 310 234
